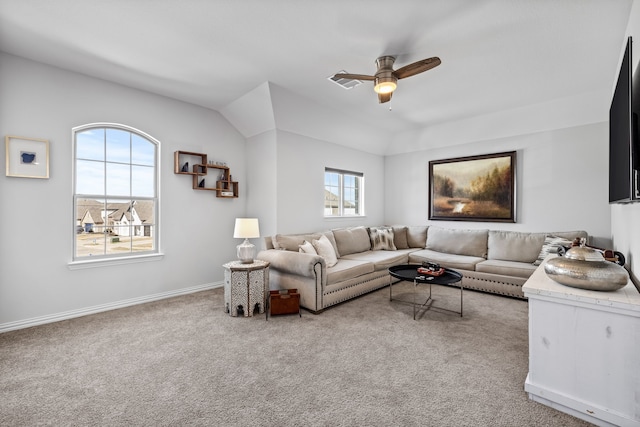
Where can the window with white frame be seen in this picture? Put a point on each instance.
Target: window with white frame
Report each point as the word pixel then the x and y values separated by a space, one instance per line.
pixel 343 193
pixel 115 192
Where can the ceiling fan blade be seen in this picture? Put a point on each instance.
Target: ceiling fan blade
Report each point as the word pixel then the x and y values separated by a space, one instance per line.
pixel 417 67
pixel 384 97
pixel 353 76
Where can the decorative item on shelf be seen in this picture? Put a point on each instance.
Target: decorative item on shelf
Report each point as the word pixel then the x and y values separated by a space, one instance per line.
pixel 246 228
pixel 201 184
pixel 185 167
pixel 226 193
pixel 586 268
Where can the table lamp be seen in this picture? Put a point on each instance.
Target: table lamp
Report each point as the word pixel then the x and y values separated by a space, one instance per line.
pixel 246 228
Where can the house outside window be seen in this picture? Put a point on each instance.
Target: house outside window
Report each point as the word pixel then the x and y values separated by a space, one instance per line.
pixel 343 193
pixel 115 192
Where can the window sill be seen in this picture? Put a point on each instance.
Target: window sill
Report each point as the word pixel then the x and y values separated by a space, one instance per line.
pixel 106 262
pixel 353 217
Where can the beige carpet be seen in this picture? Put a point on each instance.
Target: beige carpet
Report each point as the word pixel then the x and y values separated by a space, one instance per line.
pixel 183 362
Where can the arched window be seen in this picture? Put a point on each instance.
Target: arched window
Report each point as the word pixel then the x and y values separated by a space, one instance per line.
pixel 115 192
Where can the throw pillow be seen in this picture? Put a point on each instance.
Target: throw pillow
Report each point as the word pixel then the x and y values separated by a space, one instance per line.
pixel 324 248
pixel 417 236
pixel 550 246
pixel 351 240
pixel 381 239
pixel 307 248
pixel 400 237
pixel 290 242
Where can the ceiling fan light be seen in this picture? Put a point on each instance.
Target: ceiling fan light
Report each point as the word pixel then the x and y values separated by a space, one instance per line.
pixel 385 85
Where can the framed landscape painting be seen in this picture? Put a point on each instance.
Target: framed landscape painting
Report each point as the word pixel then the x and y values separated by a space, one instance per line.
pixel 475 188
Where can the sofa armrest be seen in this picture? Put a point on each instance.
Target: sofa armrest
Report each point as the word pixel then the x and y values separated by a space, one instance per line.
pixel 294 270
pixel 290 262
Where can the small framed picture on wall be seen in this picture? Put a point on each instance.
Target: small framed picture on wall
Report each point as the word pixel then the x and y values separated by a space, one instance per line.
pixel 27 157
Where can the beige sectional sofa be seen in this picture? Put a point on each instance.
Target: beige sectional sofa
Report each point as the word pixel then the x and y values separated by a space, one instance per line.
pixel 348 262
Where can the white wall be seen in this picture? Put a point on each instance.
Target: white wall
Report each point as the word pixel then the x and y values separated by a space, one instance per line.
pixel 561 182
pixel 262 182
pixel 286 163
pixel 35 214
pixel 625 219
pixel 300 176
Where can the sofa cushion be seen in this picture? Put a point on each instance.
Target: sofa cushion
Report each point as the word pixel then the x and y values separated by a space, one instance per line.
pixel 550 246
pixel 352 240
pixel 347 269
pixel 400 237
pixel 307 248
pixel 506 268
pixel 417 236
pixel 381 260
pixel 514 246
pixel 381 239
pixel 292 242
pixel 457 262
pixel 324 248
pixel 332 239
pixel 458 242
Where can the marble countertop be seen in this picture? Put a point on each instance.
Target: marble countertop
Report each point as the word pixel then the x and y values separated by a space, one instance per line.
pixel 540 285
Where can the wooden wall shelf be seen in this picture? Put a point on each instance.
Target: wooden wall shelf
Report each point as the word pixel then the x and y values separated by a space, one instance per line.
pixel 202 180
pixel 182 159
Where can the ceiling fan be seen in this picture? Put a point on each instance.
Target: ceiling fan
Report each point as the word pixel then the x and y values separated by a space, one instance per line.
pixel 386 79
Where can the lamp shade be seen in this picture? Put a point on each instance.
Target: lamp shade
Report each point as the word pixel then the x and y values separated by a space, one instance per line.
pixel 246 228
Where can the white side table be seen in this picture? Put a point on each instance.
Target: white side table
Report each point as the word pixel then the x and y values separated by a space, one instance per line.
pixel 246 286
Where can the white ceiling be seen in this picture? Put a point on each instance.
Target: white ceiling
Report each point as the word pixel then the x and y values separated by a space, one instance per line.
pixel 496 55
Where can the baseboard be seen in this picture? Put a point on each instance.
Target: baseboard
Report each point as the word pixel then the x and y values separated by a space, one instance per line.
pixel 35 321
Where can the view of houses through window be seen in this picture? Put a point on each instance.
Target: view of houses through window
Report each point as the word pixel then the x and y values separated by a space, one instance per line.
pixel 343 193
pixel 115 192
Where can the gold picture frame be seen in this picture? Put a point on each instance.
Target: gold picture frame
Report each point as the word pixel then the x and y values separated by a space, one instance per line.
pixel 27 157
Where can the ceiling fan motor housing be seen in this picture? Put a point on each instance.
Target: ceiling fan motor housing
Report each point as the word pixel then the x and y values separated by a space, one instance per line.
pixel 385 81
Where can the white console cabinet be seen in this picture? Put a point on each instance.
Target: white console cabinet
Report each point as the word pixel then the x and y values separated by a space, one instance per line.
pixel 584 350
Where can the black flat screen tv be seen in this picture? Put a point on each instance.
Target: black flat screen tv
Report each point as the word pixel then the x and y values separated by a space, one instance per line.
pixel 624 149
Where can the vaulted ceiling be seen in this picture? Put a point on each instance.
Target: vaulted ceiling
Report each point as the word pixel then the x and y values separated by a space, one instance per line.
pixel 497 55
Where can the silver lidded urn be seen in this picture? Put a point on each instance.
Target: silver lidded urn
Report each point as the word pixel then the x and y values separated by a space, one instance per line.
pixel 585 268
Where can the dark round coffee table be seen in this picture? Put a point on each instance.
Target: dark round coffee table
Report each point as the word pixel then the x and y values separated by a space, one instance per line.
pixel 409 273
